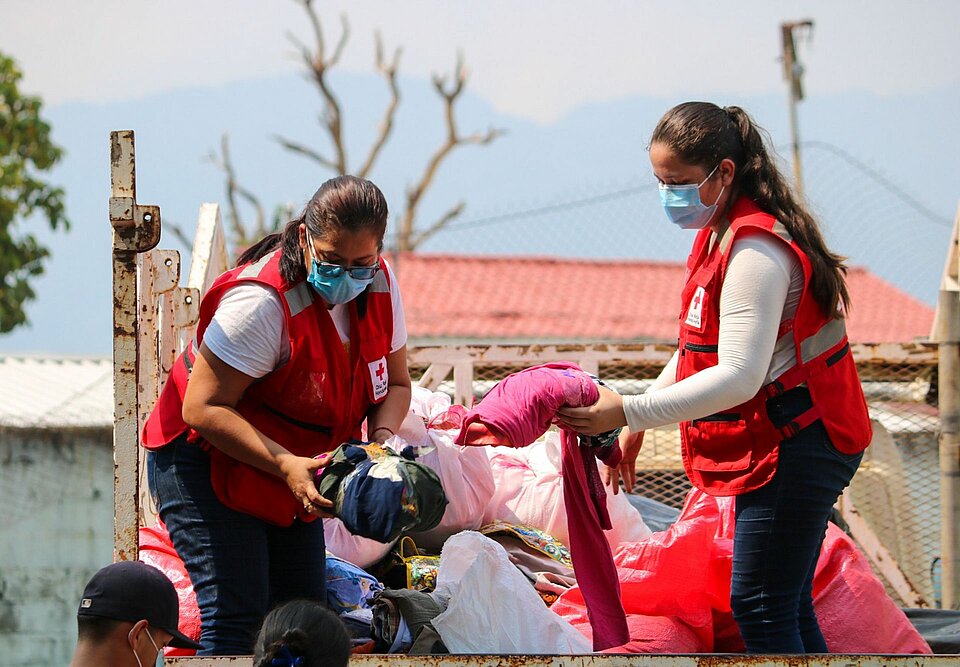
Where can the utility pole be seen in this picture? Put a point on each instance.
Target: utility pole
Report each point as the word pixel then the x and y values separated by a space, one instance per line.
pixel 793 74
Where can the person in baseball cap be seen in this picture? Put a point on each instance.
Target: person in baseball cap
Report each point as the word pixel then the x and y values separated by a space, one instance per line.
pixel 128 613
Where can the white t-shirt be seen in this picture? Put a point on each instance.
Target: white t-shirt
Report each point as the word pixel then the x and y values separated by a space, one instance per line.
pixel 248 331
pixel 761 289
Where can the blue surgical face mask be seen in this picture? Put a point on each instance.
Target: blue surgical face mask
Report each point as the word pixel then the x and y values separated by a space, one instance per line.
pixel 334 283
pixel 683 206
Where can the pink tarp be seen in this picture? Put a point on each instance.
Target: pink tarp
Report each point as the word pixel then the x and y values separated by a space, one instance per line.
pixel 675 588
pixel 156 549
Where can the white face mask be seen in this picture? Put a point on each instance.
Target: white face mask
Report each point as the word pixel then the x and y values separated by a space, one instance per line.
pixel 159 661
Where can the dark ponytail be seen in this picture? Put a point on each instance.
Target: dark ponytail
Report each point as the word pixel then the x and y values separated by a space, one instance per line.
pixel 703 134
pixel 302 633
pixel 291 257
pixel 344 203
pixel 290 650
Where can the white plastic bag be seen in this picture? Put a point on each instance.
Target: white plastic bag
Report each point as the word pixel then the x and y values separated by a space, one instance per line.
pixel 360 551
pixel 492 607
pixel 529 490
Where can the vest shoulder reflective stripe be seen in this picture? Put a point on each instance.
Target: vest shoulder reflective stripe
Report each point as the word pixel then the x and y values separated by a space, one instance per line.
pixel 253 270
pixel 381 282
pixel 778 228
pixel 299 298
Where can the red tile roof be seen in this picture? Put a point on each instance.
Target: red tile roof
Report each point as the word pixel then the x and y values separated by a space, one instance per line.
pixel 458 297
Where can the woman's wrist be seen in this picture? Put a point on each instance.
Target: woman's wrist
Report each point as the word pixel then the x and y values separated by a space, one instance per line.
pixel 382 429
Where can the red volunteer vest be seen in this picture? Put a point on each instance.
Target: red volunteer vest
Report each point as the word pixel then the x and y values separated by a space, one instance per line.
pixel 310 405
pixel 736 450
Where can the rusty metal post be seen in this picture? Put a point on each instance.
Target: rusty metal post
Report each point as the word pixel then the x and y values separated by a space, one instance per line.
pixel 136 229
pixel 946 332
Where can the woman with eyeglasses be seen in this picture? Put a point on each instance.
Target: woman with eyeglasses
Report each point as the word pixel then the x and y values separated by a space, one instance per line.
pixel 296 347
pixel 763 384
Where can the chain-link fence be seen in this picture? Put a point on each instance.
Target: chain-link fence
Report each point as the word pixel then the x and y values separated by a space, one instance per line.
pixel 863 214
pixel 896 491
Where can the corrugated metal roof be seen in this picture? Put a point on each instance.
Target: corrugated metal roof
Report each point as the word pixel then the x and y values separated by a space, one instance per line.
pixel 63 392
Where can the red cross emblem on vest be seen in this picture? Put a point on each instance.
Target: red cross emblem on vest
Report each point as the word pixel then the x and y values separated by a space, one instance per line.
pixel 378 378
pixel 695 310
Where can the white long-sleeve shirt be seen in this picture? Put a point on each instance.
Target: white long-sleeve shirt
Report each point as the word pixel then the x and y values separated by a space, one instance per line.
pixel 761 289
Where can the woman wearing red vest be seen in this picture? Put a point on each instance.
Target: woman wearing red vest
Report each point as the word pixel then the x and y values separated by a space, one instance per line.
pixel 763 384
pixel 296 347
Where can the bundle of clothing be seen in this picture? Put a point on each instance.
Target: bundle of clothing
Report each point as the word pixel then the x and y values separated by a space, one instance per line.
pixel 379 494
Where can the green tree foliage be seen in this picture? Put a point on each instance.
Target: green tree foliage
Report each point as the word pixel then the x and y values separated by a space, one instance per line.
pixel 25 153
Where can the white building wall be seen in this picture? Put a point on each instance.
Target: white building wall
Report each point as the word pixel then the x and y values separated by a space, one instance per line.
pixel 56 530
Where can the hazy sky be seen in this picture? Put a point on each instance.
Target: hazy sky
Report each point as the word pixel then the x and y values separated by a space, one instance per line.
pixel 534 59
pixel 578 85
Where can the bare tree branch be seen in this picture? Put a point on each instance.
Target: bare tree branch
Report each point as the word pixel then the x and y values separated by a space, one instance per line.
pixel 415 193
pixel 234 189
pixel 344 35
pixel 389 71
pixel 420 237
pixel 317 64
pixel 318 61
pixel 317 29
pixel 295 147
pixel 260 227
pixel 305 53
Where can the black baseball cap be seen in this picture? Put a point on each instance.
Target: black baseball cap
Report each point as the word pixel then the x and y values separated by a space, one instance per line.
pixel 131 591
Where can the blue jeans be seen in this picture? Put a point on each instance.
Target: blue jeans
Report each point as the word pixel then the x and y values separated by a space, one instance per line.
pixel 240 566
pixel 779 530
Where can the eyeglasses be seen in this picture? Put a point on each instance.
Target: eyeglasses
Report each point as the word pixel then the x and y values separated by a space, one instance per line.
pixel 328 270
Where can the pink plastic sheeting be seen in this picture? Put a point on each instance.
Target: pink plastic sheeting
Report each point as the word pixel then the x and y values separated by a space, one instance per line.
pixel 156 549
pixel 675 588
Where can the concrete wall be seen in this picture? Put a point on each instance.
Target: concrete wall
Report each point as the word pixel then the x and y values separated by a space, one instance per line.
pixel 56 530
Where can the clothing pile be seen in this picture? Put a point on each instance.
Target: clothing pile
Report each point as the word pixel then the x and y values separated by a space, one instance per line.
pixel 500 565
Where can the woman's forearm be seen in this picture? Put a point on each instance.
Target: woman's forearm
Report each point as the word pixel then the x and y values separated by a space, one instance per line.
pixel 389 414
pixel 224 428
pixel 751 305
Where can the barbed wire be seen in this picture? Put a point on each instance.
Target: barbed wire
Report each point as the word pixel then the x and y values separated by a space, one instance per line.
pixel 862 213
pixel 550 208
pixel 892 187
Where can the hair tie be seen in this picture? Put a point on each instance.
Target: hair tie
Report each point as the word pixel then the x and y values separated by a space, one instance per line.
pixel 286 658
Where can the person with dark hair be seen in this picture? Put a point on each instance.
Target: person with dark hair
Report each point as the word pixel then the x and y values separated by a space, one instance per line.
pixel 128 613
pixel 763 384
pixel 302 633
pixel 296 347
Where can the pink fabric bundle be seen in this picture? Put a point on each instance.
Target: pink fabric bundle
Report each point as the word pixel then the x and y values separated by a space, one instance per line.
pixel 515 413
